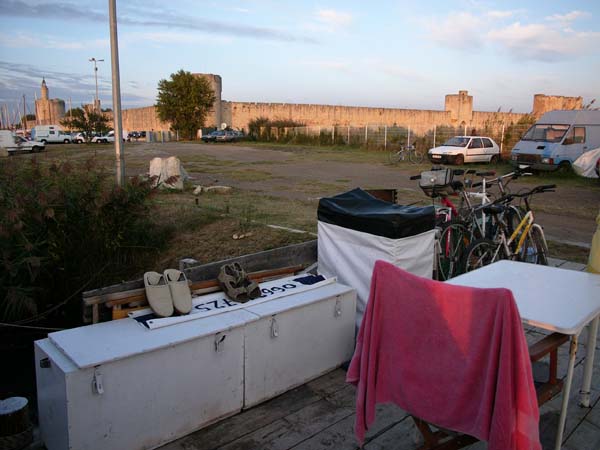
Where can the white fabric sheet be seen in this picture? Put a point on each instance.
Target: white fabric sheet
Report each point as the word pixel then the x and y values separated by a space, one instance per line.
pixel 585 165
pixel 350 256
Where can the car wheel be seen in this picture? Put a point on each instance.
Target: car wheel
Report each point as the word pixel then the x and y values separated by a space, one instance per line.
pixel 459 160
pixel 35 149
pixel 66 141
pixel 43 141
pixel 104 141
pixel 564 167
pixel 494 159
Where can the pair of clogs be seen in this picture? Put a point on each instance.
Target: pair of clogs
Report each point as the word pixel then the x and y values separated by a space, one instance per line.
pixel 168 292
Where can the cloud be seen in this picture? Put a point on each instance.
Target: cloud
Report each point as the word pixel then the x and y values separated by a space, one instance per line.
pixel 542 42
pixel 130 15
pixel 333 18
pixel 566 19
pixel 26 40
pixel 172 37
pixel 17 79
pixel 458 30
pixel 549 40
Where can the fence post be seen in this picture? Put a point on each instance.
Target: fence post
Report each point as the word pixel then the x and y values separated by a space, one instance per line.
pixel 502 139
pixel 434 130
pixel 408 137
pixel 333 134
pixel 385 137
pixel 465 130
pixel 366 134
pixel 348 143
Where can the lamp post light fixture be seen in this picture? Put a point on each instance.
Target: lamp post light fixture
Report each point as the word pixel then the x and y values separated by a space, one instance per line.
pixel 96 100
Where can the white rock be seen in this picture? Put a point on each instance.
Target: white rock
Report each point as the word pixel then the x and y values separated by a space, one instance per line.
pixel 198 190
pixel 168 169
pixel 218 189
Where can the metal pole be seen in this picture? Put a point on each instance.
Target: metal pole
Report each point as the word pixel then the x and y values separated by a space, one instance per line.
pixel 96 99
pixel 502 139
pixel 385 137
pixel 434 131
pixel 24 116
pixel 408 137
pixel 116 93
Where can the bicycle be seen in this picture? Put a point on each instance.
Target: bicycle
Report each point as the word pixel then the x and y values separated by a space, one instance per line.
pixel 406 152
pixel 525 243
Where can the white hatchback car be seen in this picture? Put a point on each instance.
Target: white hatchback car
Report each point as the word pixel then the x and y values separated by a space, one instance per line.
pixel 463 149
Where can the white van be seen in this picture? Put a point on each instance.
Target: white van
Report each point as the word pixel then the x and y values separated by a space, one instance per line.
pixel 50 134
pixel 16 144
pixel 557 139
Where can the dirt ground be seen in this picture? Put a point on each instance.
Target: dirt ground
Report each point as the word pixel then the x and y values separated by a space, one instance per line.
pixel 300 175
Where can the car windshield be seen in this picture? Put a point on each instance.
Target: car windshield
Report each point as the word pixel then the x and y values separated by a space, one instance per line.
pixel 457 141
pixel 546 133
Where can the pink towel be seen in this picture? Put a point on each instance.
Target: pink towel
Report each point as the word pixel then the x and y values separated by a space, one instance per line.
pixel 451 355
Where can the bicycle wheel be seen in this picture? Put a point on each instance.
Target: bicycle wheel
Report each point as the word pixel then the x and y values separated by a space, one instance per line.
pixel 534 249
pixel 415 157
pixel 454 238
pixel 394 157
pixel 480 253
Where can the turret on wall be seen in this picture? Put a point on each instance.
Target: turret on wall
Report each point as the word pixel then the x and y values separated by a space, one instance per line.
pixel 215 117
pixel 543 103
pixel 460 107
pixel 48 111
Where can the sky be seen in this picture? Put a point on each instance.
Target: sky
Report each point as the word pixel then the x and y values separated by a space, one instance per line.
pixel 396 54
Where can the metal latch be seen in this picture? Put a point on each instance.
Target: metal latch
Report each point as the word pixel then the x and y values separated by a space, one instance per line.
pixel 274 328
pixel 45 363
pixel 97 384
pixel 219 342
pixel 337 311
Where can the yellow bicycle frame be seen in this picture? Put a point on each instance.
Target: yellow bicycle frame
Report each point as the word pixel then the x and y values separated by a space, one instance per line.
pixel 525 224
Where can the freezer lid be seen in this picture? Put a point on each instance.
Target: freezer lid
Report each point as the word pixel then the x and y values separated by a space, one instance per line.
pixel 298 300
pixel 105 342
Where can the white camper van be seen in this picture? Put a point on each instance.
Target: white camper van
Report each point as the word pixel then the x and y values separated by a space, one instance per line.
pixel 15 144
pixel 50 134
pixel 557 139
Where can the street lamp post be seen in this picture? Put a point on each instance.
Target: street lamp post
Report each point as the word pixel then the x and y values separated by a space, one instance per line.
pixel 96 100
pixel 116 92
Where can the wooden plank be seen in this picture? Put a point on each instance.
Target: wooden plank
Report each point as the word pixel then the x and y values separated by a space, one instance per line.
pixel 298 254
pixel 544 346
pixel 247 422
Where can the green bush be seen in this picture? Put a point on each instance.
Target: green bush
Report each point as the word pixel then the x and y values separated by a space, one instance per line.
pixel 65 229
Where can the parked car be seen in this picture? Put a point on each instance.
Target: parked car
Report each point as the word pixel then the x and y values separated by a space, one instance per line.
pixel 230 136
pixel 212 136
pixel 108 137
pixel 16 144
pixel 463 149
pixel 50 134
pixel 79 138
pixel 557 139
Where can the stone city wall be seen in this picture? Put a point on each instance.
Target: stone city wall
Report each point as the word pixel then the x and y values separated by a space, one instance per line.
pixel 142 119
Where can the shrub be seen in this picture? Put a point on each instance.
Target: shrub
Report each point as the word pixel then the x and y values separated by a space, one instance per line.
pixel 64 229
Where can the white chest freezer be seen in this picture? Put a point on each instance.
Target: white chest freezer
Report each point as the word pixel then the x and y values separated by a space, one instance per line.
pixel 116 385
pixel 297 338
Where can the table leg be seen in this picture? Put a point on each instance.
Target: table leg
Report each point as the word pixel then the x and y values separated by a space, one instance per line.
pixel 566 392
pixel 590 350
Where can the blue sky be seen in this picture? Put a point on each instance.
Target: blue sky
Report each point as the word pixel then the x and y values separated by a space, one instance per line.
pixel 405 54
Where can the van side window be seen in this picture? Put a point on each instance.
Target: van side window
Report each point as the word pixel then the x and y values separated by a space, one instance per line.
pixel 576 135
pixel 52 132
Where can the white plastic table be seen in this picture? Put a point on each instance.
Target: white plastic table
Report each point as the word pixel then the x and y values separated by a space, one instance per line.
pixel 552 299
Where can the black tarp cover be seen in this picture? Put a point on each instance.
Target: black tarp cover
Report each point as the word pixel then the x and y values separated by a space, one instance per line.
pixel 360 211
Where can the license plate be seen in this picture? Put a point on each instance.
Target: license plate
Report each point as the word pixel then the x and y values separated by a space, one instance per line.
pixel 436 156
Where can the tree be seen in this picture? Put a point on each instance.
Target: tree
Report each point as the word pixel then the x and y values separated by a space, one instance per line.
pixel 86 121
pixel 184 100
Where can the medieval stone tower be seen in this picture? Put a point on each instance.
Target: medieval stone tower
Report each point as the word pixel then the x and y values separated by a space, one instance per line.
pixel 215 118
pixel 48 111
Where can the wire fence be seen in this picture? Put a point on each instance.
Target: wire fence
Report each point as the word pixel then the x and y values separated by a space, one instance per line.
pixel 385 137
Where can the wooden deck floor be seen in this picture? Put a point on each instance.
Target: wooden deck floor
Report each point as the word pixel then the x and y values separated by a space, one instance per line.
pixel 320 415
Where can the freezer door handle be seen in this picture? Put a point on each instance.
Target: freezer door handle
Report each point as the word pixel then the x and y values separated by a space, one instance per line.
pixel 337 312
pixel 219 342
pixel 45 363
pixel 97 384
pixel 274 328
